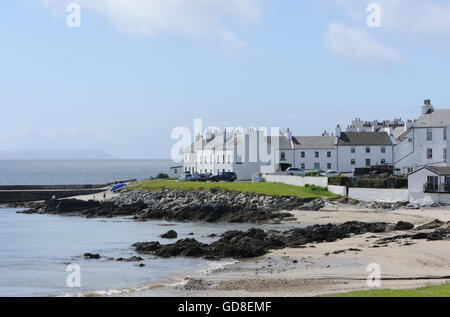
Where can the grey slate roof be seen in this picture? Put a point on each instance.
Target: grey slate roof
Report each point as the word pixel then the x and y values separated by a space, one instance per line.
pixel 400 137
pixel 313 142
pixel 440 170
pixel 199 144
pixel 215 143
pixel 283 142
pixel 437 119
pixel 364 138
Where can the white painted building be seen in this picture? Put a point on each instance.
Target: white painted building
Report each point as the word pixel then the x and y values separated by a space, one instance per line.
pixel 234 151
pixel 426 142
pixel 406 145
pixel 363 149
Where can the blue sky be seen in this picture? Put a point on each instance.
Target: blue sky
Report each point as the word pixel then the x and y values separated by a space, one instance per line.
pixel 136 69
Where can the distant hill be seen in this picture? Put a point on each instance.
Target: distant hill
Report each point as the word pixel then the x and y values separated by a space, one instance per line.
pixel 56 155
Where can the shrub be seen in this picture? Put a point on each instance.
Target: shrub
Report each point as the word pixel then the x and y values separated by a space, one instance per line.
pixel 372 183
pixel 338 180
pixel 400 182
pixel 312 174
pixel 162 176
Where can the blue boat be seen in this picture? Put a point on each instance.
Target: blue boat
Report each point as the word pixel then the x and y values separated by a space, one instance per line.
pixel 117 187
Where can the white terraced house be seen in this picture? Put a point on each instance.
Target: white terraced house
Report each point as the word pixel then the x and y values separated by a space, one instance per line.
pixel 218 152
pixel 407 145
pixel 363 149
pixel 308 153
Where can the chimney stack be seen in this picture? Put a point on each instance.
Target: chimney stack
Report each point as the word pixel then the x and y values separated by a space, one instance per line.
pixel 427 107
pixel 338 131
pixel 288 134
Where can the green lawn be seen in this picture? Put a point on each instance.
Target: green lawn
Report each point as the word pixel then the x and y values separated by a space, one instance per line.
pixel 270 189
pixel 432 291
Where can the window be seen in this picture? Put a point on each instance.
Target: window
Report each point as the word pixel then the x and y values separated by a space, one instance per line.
pixel 229 159
pixel 445 134
pixel 353 150
pixel 303 166
pixel 316 166
pixel 368 149
pixel 368 163
pixel 444 156
pixel 383 149
pixel 429 134
pixel 283 156
pixel 218 159
pixel 303 154
pixel 317 154
pixel 329 166
pixel 328 154
pixel 353 162
pixel 432 183
pixel 223 159
pixel 429 154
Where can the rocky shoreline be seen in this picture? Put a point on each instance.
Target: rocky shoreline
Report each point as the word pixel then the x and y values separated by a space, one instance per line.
pixel 170 205
pixel 257 242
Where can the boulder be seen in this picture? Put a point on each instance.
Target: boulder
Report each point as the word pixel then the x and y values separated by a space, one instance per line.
pixel 403 226
pixel 171 234
pixel 92 256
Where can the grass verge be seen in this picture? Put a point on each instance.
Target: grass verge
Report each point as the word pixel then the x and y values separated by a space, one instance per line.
pixel 269 189
pixel 431 291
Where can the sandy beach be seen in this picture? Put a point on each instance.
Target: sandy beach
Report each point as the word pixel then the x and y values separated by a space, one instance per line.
pixel 337 267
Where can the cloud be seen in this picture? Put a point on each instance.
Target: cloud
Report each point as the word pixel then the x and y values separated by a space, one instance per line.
pixel 356 44
pixel 198 19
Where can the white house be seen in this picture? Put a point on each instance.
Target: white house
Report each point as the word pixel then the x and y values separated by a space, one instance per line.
pixel 430 137
pixel 425 143
pixel 430 184
pixel 313 153
pixel 363 149
pixel 240 152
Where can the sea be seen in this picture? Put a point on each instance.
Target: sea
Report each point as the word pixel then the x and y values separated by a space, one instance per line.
pixel 66 172
pixel 42 255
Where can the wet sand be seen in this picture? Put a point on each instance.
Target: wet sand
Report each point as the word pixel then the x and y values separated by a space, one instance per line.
pixel 337 267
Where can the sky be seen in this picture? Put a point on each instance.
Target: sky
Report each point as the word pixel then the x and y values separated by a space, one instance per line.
pixel 136 69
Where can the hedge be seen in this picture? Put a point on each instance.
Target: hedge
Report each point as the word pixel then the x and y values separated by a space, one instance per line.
pixel 385 182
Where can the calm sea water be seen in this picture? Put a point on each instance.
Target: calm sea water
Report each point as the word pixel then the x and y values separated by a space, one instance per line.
pixel 35 251
pixel 31 172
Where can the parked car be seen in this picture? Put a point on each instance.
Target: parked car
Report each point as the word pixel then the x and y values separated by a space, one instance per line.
pixel 320 172
pixel 332 173
pixel 198 178
pixel 295 171
pixel 224 177
pixel 185 177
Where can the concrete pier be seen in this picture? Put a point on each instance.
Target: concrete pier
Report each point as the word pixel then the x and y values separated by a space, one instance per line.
pixel 26 193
